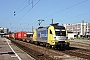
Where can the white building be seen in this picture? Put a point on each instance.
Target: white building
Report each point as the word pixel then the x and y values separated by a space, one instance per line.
pixel 81 29
pixel 4 30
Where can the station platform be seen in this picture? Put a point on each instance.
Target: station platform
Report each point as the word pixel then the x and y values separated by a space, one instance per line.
pixel 9 51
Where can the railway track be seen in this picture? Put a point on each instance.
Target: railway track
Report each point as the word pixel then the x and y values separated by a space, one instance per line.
pixel 78 52
pixel 33 50
pixel 42 53
pixel 80 44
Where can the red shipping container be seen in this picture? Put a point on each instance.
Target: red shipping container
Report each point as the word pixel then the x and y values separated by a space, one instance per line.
pixel 21 35
pixel 10 35
pixel 24 35
pixel 15 35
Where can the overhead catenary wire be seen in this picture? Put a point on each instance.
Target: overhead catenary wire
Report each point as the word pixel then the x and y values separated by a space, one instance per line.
pixel 27 11
pixel 30 9
pixel 77 15
pixel 21 5
pixel 54 13
pixel 26 6
pixel 62 19
pixel 17 12
pixel 11 16
pixel 18 9
pixel 65 9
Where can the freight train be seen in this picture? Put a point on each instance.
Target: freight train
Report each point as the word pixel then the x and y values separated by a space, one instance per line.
pixel 22 35
pixel 53 36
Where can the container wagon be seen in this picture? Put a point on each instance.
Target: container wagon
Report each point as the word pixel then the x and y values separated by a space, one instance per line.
pixel 11 35
pixel 20 35
pixel 29 36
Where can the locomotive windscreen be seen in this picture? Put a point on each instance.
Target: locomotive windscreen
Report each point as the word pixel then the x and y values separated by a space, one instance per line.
pixel 60 30
pixel 59 27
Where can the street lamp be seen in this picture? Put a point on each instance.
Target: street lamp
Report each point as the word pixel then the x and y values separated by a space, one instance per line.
pixel 40 21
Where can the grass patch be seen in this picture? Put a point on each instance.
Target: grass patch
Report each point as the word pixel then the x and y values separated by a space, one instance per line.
pixel 82 38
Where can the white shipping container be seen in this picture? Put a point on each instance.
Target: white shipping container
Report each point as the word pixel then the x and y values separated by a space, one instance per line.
pixel 71 35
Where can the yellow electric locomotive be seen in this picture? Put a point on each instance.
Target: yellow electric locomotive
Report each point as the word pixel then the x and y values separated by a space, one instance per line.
pixel 51 36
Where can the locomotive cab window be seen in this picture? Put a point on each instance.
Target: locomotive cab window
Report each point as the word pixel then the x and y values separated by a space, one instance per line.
pixel 50 32
pixel 60 33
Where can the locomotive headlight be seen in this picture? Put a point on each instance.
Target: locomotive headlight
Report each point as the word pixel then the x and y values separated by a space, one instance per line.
pixel 54 38
pixel 66 40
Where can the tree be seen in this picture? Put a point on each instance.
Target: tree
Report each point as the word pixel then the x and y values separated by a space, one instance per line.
pixel 10 32
pixel 2 31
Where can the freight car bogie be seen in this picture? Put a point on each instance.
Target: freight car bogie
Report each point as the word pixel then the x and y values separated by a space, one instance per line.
pixel 31 42
pixel 27 40
pixel 24 40
pixel 36 43
pixel 48 45
pixel 39 43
